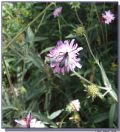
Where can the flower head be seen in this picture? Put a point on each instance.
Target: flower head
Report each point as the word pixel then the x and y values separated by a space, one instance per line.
pixel 75 5
pixel 63 58
pixel 92 91
pixel 36 124
pixel 108 17
pixel 29 122
pixel 74 105
pixel 80 30
pixel 57 12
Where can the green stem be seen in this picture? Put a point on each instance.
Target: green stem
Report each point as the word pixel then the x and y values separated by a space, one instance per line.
pixel 8 76
pixel 100 23
pixel 26 27
pixel 64 20
pixel 105 27
pixel 59 26
pixel 82 78
pixel 91 14
pixel 89 46
pixel 23 72
pixel 40 22
pixel 105 93
pixel 78 17
pixel 106 35
pixel 63 120
pixel 87 81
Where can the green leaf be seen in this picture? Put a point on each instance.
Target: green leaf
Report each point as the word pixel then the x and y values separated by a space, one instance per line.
pixel 30 36
pixel 55 114
pixel 4 125
pixel 45 119
pixel 101 117
pixel 46 50
pixel 112 114
pixel 7 98
pixel 9 108
pixel 70 36
pixel 34 59
pixel 113 94
pixel 40 39
pixel 107 82
pixel 104 76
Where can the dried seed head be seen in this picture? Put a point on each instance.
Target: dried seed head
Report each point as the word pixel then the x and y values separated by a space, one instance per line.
pixel 20 39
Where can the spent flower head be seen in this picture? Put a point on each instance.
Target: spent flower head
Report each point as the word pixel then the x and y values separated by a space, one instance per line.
pixel 63 58
pixel 108 17
pixel 20 39
pixel 57 12
pixel 76 118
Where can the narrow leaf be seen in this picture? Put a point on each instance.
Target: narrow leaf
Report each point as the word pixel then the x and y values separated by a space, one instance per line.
pixel 55 114
pixel 46 50
pixel 112 114
pixel 101 117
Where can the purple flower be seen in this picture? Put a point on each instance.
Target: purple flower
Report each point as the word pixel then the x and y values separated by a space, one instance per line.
pixel 57 12
pixel 108 17
pixel 63 58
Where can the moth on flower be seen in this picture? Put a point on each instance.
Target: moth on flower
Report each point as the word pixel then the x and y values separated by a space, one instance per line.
pixel 64 57
pixel 28 122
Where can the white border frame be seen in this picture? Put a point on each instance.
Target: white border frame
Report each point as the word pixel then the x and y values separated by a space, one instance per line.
pixel 90 130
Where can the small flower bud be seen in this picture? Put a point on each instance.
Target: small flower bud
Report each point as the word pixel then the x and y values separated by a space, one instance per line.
pixel 75 5
pixel 80 30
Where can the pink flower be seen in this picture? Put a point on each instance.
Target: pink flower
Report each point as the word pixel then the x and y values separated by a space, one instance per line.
pixel 63 58
pixel 108 17
pixel 29 122
pixel 36 124
pixel 57 12
pixel 75 104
